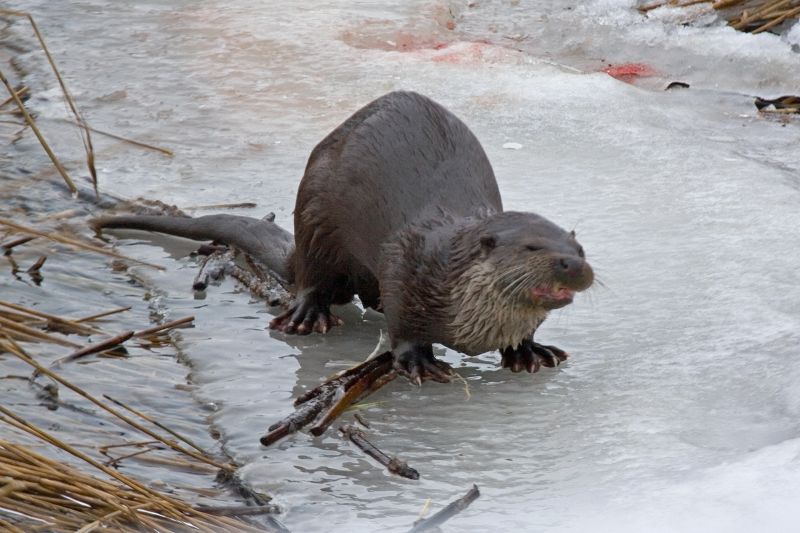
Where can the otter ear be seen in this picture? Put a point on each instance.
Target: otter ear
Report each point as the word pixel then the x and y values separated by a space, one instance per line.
pixel 572 234
pixel 488 242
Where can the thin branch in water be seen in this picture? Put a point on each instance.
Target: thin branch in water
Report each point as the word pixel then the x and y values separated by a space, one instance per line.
pixel 452 509
pixel 93 348
pixel 10 245
pixel 392 464
pixel 163 327
pixel 92 318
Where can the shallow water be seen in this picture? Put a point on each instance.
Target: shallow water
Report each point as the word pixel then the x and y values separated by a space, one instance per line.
pixel 678 409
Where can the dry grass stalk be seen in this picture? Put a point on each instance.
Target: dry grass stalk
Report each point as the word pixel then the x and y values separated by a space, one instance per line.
pixel 62 323
pixel 163 327
pixel 10 245
pixel 57 497
pixel 85 136
pixel 141 144
pixel 155 423
pixel 32 123
pixel 202 457
pixel 778 19
pixel 63 239
pixel 92 318
pixel 753 16
pixel 26 333
pixel 21 92
pixel 101 346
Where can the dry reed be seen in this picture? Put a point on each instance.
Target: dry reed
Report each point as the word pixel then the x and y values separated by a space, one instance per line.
pixel 754 16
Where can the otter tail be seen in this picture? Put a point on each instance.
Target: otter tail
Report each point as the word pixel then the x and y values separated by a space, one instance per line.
pixel 265 241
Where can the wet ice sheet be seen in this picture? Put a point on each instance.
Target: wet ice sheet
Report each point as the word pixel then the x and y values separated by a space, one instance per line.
pixel 679 407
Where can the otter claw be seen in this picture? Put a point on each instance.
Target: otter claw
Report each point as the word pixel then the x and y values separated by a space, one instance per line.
pixel 531 356
pixel 305 316
pixel 418 364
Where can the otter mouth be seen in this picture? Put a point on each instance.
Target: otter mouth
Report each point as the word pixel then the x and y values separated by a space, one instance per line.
pixel 552 296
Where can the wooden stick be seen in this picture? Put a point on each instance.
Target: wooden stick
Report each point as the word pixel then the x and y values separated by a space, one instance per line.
pixel 92 318
pixel 37 266
pixel 350 396
pixel 336 394
pixel 161 327
pixel 212 267
pixel 8 246
pixel 93 348
pixel 392 464
pixel 74 243
pixel 452 509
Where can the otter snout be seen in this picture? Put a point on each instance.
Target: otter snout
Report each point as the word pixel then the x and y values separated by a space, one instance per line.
pixel 573 272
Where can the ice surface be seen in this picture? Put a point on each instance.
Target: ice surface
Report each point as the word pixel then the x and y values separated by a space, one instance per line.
pixel 679 408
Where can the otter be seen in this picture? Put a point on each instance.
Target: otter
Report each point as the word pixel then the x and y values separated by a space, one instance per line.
pixel 399 205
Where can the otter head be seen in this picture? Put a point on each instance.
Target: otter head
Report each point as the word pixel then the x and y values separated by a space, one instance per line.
pixel 537 262
pixel 521 266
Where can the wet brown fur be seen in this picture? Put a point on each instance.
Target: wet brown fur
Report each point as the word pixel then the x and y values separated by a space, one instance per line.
pixel 394 206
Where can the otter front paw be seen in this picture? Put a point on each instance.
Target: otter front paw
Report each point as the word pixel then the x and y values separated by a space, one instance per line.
pixel 418 364
pixel 305 314
pixel 531 356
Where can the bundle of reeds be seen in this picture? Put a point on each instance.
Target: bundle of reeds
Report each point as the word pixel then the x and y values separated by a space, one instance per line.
pixel 40 494
pixel 754 16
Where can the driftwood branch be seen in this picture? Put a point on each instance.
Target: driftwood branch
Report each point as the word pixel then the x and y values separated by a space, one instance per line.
pixel 333 396
pixel 392 464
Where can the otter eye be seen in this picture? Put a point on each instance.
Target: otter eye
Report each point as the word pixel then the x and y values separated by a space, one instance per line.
pixel 488 241
pixel 533 248
pixel 580 252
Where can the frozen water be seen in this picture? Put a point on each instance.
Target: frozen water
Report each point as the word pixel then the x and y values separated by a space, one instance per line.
pixel 679 409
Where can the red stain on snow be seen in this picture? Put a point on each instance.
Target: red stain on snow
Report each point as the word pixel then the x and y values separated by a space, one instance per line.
pixel 629 72
pixel 461 52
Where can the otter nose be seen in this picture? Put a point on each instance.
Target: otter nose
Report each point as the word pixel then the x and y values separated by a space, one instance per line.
pixel 574 272
pixel 570 266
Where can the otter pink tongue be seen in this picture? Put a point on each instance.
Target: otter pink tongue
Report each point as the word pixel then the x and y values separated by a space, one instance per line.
pixel 553 293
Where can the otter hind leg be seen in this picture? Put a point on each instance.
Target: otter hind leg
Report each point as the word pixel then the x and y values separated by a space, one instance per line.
pixel 417 363
pixel 310 311
pixel 531 356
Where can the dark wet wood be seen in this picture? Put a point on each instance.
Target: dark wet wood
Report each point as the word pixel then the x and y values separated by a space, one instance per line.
pixel 94 348
pixel 212 268
pixel 333 396
pixel 392 464
pixel 8 246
